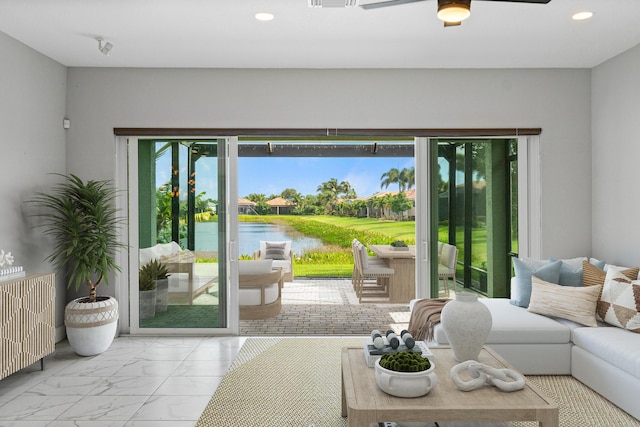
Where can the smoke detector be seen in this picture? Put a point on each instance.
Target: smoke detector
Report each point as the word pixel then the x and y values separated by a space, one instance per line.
pixel 333 3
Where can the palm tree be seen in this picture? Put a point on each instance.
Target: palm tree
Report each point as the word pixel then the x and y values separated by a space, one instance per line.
pixel 331 188
pixel 407 178
pixel 390 177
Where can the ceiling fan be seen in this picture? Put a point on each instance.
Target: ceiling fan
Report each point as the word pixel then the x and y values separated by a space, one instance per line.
pixel 452 12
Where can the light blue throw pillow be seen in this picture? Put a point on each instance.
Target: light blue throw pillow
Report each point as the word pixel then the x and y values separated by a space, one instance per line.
pixel 525 268
pixel 571 270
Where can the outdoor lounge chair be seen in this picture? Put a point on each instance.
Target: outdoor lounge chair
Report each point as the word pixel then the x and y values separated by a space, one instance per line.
pixel 260 295
pixel 280 253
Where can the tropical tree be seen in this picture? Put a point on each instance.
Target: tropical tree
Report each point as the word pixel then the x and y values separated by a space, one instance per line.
pixel 262 208
pixel 400 204
pixel 290 194
pixel 330 191
pixel 392 176
pixel 407 178
pixel 254 197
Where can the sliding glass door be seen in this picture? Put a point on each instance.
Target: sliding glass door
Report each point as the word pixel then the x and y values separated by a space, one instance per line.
pixel 474 207
pixel 179 198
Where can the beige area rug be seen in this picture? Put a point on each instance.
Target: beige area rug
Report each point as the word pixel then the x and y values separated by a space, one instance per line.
pixel 296 382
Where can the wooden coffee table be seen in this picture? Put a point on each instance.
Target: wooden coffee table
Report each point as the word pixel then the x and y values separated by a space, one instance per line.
pixel 364 403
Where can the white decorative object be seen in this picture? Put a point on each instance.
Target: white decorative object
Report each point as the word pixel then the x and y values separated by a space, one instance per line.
pixel 504 379
pixel 405 384
pixel 6 259
pixel 467 323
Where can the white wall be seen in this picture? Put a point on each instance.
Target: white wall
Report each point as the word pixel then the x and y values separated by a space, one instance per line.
pixel 616 159
pixel 558 101
pixel 32 144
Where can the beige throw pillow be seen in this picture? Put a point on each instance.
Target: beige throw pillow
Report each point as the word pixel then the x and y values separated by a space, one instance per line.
pixel 577 304
pixel 620 301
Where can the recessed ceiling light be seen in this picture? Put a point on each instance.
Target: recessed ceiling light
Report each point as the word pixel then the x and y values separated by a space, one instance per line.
pixel 263 16
pixel 581 16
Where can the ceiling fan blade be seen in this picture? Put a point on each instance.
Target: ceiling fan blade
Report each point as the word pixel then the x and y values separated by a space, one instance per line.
pixel 521 1
pixel 387 3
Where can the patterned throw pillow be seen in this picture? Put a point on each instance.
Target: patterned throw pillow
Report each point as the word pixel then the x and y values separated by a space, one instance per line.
pixel 577 304
pixel 620 301
pixel 592 275
pixel 275 250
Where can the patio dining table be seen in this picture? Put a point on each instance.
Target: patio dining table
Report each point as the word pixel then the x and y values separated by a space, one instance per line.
pixel 402 285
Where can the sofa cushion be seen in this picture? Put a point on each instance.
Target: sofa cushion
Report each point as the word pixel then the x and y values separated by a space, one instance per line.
pixel 516 325
pixel 525 268
pixel 592 275
pixel 616 346
pixel 571 270
pixel 566 302
pixel 620 301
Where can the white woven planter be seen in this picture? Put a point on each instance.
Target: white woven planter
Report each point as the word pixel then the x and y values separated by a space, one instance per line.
pixel 91 326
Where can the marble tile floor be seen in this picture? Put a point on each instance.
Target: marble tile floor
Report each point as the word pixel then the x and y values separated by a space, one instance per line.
pixel 137 382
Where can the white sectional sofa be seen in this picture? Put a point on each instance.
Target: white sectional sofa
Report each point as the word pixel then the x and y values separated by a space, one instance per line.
pixel 605 357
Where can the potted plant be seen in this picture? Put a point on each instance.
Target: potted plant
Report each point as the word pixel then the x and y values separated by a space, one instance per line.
pixel 399 245
pixel 82 219
pixel 162 286
pixel 147 290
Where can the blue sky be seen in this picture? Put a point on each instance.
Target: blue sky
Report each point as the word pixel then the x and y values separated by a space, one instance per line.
pixel 271 175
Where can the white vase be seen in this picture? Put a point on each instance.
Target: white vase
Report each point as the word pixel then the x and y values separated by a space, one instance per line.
pixel 91 326
pixel 467 323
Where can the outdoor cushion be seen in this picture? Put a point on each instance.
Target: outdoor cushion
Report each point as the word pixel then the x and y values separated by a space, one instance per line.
pixel 255 266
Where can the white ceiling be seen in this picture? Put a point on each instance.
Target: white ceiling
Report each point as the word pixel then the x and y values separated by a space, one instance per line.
pixel 224 34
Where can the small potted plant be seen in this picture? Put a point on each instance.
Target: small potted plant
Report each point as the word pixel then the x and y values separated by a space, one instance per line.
pixel 405 374
pixel 147 287
pixel 162 284
pixel 399 245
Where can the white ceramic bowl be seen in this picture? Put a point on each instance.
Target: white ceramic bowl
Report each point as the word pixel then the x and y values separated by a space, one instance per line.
pixel 405 384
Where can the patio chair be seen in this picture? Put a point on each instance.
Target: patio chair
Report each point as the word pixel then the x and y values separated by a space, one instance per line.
pixel 281 254
pixel 447 259
pixel 371 260
pixel 371 280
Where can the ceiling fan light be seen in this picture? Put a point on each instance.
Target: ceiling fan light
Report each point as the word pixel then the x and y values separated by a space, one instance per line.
pixel 454 10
